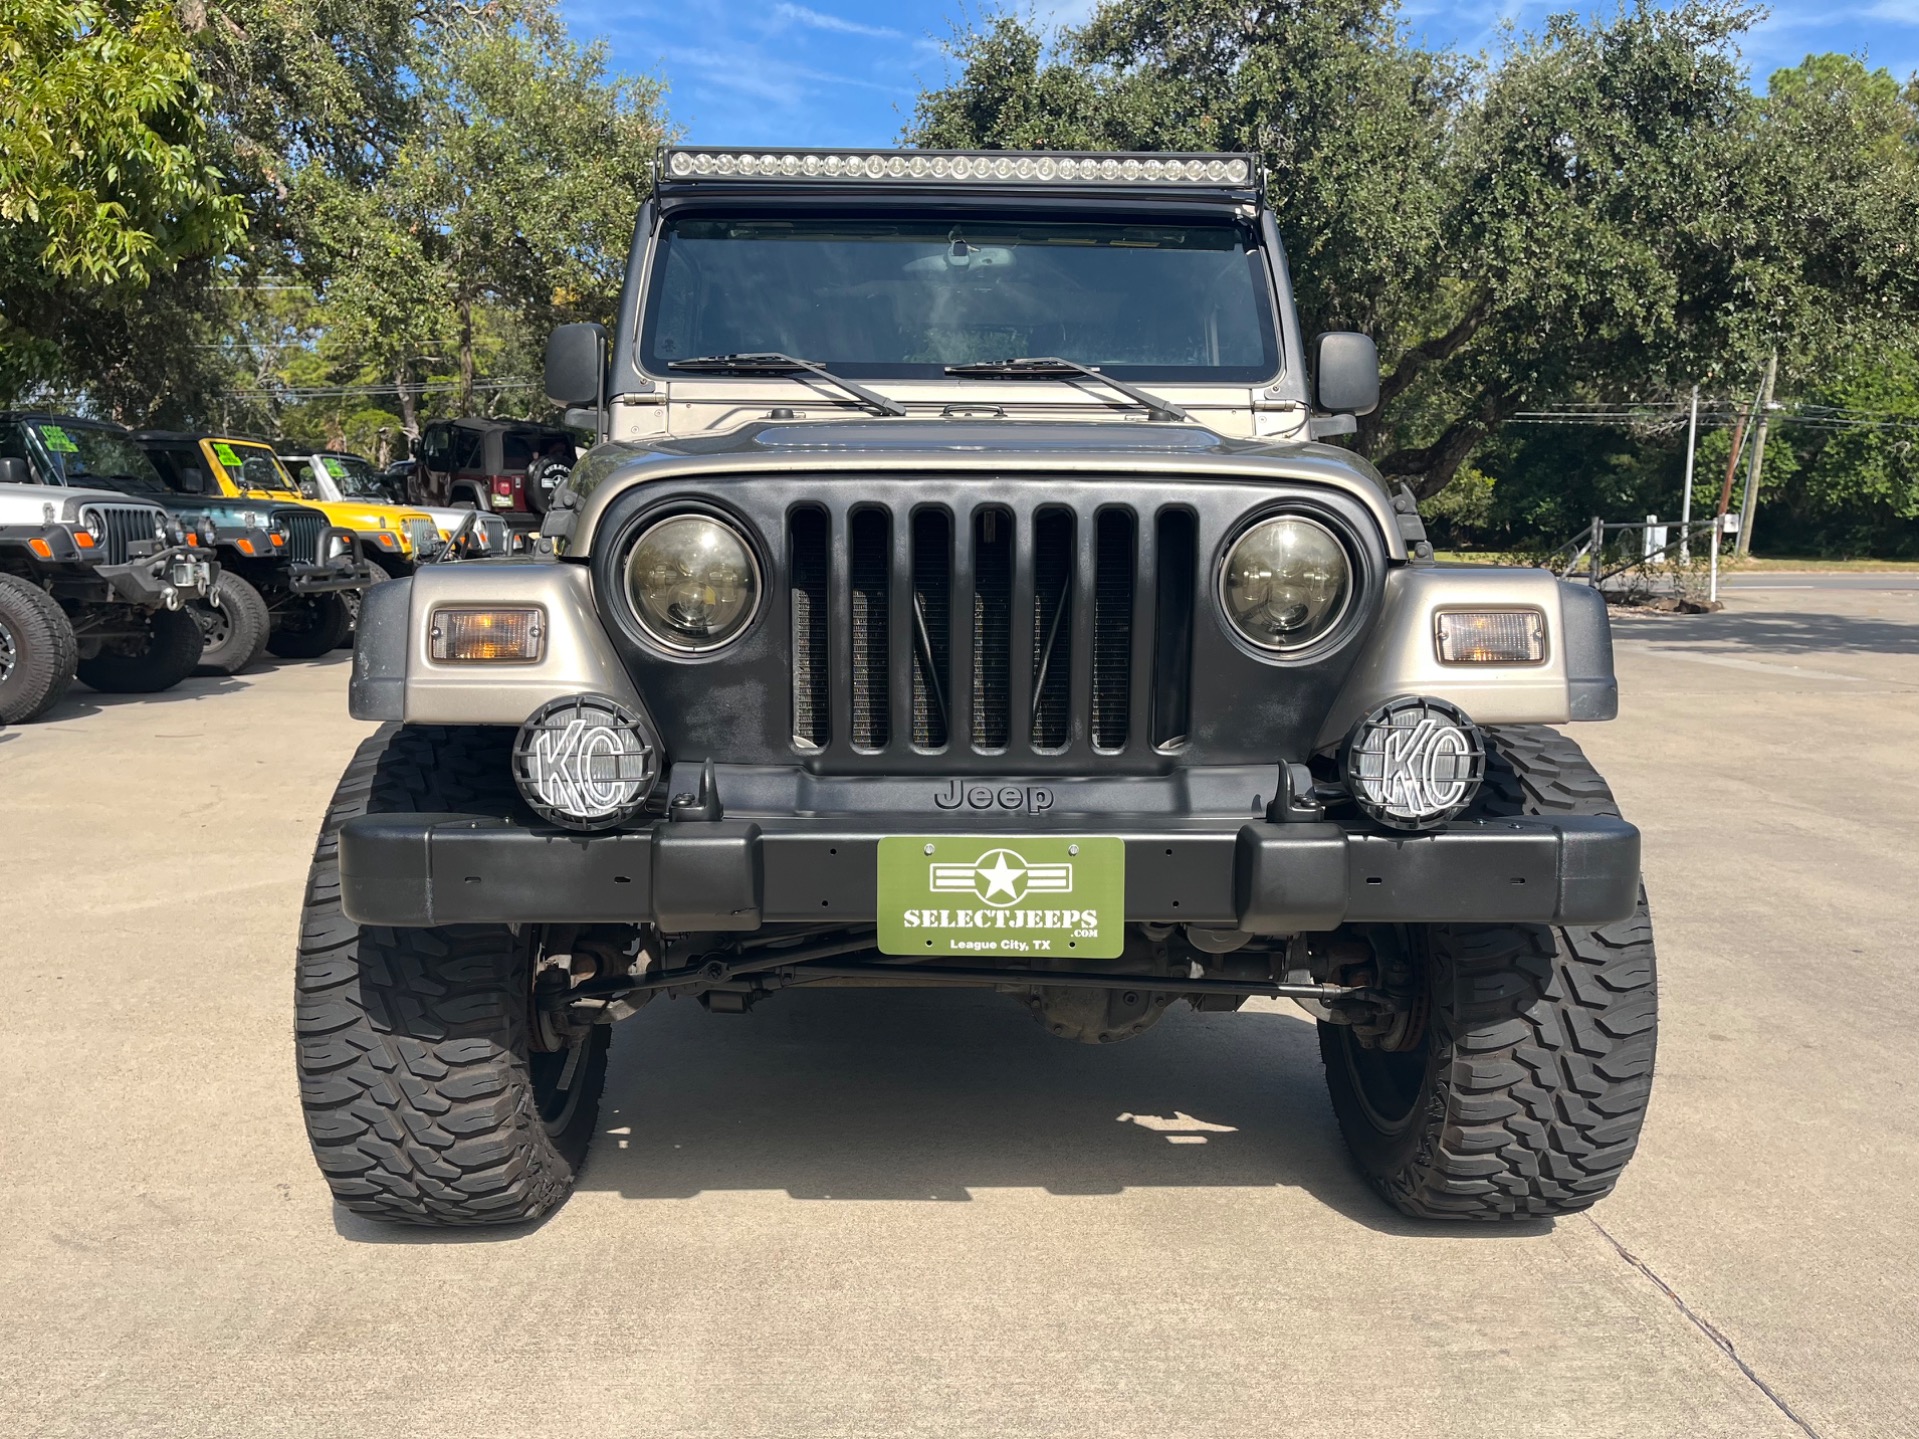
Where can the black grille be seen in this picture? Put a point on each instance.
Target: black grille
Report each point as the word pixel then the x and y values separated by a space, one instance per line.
pixel 807 535
pixel 871 546
pixel 1049 631
pixel 992 629
pixel 1112 628
pixel 122 527
pixel 1052 629
pixel 303 533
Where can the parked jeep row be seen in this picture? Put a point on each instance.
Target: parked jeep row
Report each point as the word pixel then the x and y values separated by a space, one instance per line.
pixel 131 559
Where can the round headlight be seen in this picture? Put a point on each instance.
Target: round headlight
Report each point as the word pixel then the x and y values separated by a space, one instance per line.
pixel 93 524
pixel 693 581
pixel 1286 582
pixel 1414 762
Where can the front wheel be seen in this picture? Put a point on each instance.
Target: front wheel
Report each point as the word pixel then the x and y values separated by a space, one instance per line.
pixel 37 651
pixel 1519 1083
pixel 433 1092
pixel 311 626
pixel 235 630
pixel 158 661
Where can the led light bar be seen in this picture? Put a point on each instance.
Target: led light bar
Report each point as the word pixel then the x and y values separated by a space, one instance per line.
pixel 977 167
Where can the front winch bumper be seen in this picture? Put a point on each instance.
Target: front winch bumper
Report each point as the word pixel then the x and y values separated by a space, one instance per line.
pixel 162 581
pixel 346 570
pixel 732 875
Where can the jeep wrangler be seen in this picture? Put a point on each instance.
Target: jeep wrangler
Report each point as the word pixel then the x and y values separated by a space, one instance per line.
pixel 293 571
pixel 960 594
pixel 93 585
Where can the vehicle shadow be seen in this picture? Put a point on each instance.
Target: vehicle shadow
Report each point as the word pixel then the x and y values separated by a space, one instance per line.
pixel 80 701
pixel 928 1095
pixel 1789 632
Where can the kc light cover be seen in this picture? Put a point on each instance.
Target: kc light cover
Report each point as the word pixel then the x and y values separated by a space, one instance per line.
pixel 989 167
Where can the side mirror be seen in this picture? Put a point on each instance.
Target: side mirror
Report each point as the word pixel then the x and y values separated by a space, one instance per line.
pixel 193 481
pixel 576 364
pixel 1346 373
pixel 13 471
pixel 309 490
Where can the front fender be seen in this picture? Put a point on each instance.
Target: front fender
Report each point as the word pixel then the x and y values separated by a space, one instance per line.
pixel 395 676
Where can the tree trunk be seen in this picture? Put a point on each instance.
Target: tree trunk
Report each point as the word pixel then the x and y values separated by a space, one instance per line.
pixel 466 355
pixel 1750 505
pixel 409 405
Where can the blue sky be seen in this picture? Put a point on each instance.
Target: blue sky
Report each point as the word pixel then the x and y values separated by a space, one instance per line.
pixel 844 72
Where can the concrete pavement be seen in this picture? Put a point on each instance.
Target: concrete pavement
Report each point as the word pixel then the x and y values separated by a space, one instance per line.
pixel 899 1213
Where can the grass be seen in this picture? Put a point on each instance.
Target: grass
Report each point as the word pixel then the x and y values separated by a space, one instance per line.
pixel 1727 565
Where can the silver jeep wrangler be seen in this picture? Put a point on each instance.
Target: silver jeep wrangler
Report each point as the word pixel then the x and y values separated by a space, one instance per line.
pixel 960 594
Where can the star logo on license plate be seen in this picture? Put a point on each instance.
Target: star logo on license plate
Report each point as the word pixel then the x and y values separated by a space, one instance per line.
pixel 1001 877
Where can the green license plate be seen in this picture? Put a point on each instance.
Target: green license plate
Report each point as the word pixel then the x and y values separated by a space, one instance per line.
pixel 1002 895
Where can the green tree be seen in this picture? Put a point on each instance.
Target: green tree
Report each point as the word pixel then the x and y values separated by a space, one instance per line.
pixel 1603 209
pixel 108 177
pixel 506 208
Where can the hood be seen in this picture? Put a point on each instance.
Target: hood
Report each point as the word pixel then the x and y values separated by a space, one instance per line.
pixel 56 504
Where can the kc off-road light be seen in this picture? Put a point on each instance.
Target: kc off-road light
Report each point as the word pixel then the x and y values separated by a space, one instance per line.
pixel 693 581
pixel 586 762
pixel 487 636
pixel 1285 582
pixel 1490 637
pixel 978 167
pixel 1414 763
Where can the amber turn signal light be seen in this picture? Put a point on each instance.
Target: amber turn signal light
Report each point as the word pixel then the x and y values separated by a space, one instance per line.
pixel 490 636
pixel 1491 637
pixel 41 548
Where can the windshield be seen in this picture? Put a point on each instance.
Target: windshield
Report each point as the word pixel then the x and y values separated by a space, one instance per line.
pixel 252 467
pixel 354 476
pixel 903 299
pixel 82 456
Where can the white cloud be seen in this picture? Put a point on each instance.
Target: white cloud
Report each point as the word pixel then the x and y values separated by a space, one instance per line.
pixel 814 20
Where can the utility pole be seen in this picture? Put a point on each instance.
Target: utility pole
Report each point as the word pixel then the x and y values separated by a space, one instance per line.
pixel 1758 460
pixel 1685 502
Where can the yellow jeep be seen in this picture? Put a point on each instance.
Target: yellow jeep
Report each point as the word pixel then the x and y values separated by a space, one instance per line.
pixel 395 537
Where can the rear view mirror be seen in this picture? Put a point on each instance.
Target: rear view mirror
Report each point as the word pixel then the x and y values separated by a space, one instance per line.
pixel 576 364
pixel 1346 370
pixel 13 471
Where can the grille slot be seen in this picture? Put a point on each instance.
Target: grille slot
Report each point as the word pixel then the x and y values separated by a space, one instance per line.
pixel 1178 558
pixel 809 551
pixel 992 629
pixel 1112 628
pixel 1055 627
pixel 870 542
pixel 124 526
pixel 933 631
pixel 1052 629
pixel 303 533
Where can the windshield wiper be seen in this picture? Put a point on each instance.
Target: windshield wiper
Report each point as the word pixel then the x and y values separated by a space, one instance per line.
pixel 1051 367
pixel 778 364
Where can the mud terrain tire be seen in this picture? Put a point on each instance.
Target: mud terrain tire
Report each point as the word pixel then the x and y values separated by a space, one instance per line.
pixel 37 651
pixel 1526 1096
pixel 236 630
pixel 312 627
pixel 171 652
pixel 425 1100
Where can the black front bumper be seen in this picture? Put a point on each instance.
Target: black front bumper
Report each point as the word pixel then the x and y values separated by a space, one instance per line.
pixel 411 870
pixel 344 571
pixel 189 573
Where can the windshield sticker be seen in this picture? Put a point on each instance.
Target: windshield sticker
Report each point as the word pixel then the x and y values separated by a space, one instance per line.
pixel 335 468
pixel 58 439
pixel 223 452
